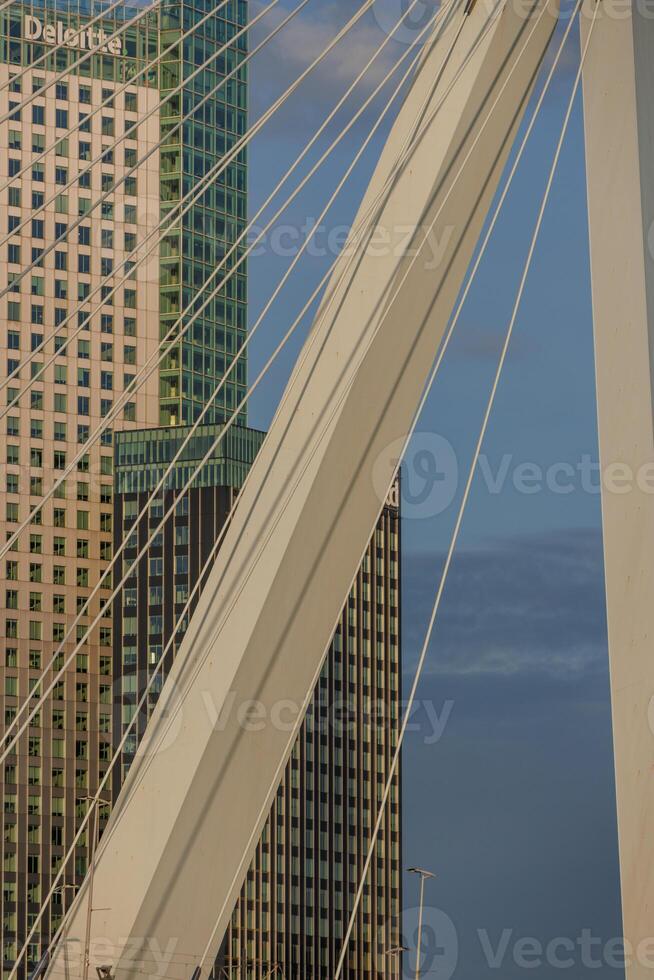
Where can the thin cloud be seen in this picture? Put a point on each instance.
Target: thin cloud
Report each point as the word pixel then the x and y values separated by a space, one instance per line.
pixel 534 606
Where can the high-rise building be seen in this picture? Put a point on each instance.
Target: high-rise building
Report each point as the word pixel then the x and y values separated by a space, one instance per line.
pixel 293 910
pixel 77 249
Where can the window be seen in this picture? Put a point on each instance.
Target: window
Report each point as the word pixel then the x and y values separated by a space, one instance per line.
pixel 36 572
pixel 61 118
pixel 36 544
pixel 38 115
pixel 107 126
pixel 59 546
pixel 84 263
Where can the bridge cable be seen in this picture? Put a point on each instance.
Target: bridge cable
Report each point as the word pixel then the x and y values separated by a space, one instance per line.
pixel 466 494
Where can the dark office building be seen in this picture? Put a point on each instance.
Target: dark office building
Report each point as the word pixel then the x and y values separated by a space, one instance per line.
pixel 293 911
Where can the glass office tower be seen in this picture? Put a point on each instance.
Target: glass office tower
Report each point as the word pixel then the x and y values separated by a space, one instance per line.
pixel 78 250
pixel 292 915
pixel 212 227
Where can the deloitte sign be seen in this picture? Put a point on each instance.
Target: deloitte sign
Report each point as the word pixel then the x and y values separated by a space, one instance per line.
pixel 84 38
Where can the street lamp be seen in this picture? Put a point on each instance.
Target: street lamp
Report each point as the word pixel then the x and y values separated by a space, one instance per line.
pixel 95 801
pixel 396 953
pixel 423 877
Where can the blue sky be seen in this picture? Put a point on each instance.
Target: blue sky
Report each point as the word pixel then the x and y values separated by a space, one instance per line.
pixel 514 805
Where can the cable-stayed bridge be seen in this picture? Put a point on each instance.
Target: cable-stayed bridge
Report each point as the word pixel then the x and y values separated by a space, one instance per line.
pixel 283 564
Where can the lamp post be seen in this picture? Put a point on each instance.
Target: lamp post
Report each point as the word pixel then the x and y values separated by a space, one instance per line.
pixel 95 801
pixel 396 953
pixel 423 877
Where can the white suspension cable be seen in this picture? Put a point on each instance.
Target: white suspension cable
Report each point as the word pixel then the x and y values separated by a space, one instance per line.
pixel 171 466
pixel 105 102
pixel 212 174
pixel 221 435
pixel 468 487
pixel 118 752
pixel 171 639
pixel 145 372
pixel 80 61
pixel 131 170
pixel 140 378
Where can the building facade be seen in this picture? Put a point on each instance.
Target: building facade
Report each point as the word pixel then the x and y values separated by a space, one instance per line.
pixel 99 332
pixel 294 907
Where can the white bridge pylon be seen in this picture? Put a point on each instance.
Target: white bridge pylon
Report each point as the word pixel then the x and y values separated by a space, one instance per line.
pixel 619 121
pixel 174 855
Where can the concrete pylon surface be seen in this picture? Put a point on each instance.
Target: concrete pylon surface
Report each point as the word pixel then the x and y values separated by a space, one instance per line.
pixel 176 850
pixel 619 123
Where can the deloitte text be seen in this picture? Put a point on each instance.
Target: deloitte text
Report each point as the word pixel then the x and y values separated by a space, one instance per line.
pixel 85 38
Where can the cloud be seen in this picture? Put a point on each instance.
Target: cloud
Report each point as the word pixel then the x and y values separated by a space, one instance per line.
pixel 532 606
pixel 282 61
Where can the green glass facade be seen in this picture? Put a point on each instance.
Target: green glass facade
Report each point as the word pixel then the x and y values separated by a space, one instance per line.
pixel 210 228
pixel 140 42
